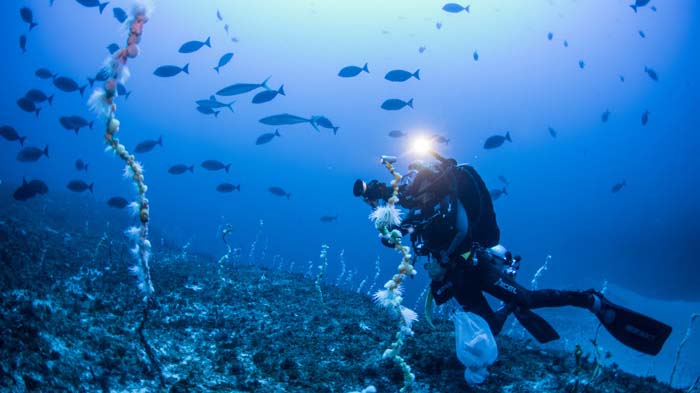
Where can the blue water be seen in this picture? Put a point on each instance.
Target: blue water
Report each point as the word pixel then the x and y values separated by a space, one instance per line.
pixel 643 238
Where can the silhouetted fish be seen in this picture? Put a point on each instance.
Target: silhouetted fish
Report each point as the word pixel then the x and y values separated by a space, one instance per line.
pixel 28 105
pixel 214 104
pixel 652 74
pixel 325 123
pixel 401 75
pixel 227 187
pixel 497 193
pixel 476 56
pixel 284 119
pixel 205 110
pixel 639 3
pixel 32 154
pixel 397 134
pixel 552 132
pixel 117 202
pixel 39 96
pixel 566 44
pixel 394 104
pixel 122 92
pixel 279 191
pixel 645 117
pixel 93 3
pixel 581 64
pixel 241 88
pixel 112 48
pixel 622 78
pixel 23 43
pixel 223 61
pixel 641 34
pixel 120 15
pixel 267 137
pixel 168 71
pixel 44 73
pixel 68 85
pixel 27 16
pixel 214 165
pixel 605 116
pixel 550 36
pixel 496 140
pixel 438 25
pixel 618 186
pixel 10 134
pixel 79 186
pixel 30 189
pixel 179 169
pixel 328 219
pixel 101 76
pixel 148 145
pixel 350 71
pixel 454 8
pixel 421 49
pixel 193 46
pixel 74 123
pixel 81 165
pixel 440 139
pixel 503 179
pixel 267 95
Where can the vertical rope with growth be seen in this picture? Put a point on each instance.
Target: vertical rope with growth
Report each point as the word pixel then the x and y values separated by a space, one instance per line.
pixel 102 102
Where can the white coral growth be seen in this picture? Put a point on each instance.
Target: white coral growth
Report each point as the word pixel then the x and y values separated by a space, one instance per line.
pixel 386 216
pixel 98 103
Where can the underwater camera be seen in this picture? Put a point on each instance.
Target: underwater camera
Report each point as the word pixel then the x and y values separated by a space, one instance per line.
pixel 372 191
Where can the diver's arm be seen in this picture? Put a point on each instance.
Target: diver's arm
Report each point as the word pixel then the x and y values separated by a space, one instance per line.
pixel 462 227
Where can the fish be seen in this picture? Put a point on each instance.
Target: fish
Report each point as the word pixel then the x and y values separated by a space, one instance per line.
pixel 552 132
pixel 168 71
pixel 394 104
pixel 401 75
pixel 421 49
pixel 267 137
pixel 440 139
pixel 214 104
pixel 179 169
pixel 329 218
pixel 476 56
pixel 214 165
pixel 652 74
pixel 267 95
pixel 550 35
pixel 205 110
pixel 566 44
pixel 11 135
pixel 285 119
pixel 227 187
pixel 241 88
pixel 112 48
pixel 44 73
pixel 39 96
pixel 351 71
pixel 653 8
pixel 79 186
pixel 497 193
pixel 234 39
pixel 397 134
pixel 495 141
pixel 581 64
pixel 121 91
pixel 622 78
pixel 30 189
pixel 645 117
pixel 23 43
pixel 438 25
pixel 148 145
pixel 81 165
pixel 455 8
pixel 101 76
pixel 503 180
pixel 93 3
pixel 223 61
pixel 218 15
pixel 618 186
pixel 641 34
pixel 193 46
pixel 639 3
pixel 226 29
pixel 74 123
pixel 325 123
pixel 32 154
pixel 279 191
pixel 27 16
pixel 68 85
pixel 28 105
pixel 117 202
pixel 119 14
pixel 605 116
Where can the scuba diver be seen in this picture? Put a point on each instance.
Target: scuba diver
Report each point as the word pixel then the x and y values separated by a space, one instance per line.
pixel 452 222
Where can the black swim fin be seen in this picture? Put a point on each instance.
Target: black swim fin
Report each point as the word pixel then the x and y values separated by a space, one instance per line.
pixel 540 329
pixel 637 331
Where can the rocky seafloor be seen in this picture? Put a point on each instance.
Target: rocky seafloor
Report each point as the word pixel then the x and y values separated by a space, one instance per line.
pixel 70 314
